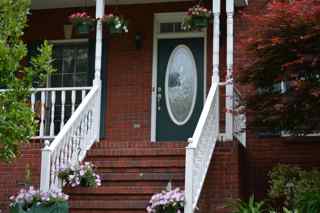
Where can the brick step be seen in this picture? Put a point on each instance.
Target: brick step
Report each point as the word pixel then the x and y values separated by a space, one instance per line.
pixel 117 152
pixel 140 170
pixel 142 176
pixel 107 205
pixel 114 190
pixel 107 144
pixel 139 163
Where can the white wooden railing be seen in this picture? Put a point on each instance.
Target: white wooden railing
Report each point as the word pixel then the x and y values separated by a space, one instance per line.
pixel 73 141
pixel 200 149
pixel 53 107
pixel 239 118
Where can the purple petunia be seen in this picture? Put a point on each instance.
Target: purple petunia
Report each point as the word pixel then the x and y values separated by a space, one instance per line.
pixel 27 198
pixel 79 175
pixel 173 200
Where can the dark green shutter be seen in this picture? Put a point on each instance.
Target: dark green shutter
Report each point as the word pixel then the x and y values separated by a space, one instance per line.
pixel 92 43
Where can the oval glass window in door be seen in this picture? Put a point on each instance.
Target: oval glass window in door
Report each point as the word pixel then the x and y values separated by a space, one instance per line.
pixel 181 85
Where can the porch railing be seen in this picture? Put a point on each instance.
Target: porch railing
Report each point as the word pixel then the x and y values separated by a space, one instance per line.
pixel 53 107
pixel 239 118
pixel 73 141
pixel 200 149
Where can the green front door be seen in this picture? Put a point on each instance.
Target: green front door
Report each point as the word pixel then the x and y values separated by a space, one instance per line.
pixel 180 92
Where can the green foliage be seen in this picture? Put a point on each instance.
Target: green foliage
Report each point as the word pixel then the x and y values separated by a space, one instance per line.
pixel 283 46
pixel 309 202
pixel 17 122
pixel 252 206
pixel 290 186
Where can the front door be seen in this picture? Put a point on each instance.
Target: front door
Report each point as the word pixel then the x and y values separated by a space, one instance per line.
pixel 180 95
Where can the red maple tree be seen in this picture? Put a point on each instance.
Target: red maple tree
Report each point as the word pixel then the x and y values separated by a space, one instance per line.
pixel 283 46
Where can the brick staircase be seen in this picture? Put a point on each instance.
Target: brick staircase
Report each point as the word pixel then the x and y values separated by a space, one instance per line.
pixel 130 175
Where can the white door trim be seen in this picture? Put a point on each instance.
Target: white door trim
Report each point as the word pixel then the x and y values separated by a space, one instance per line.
pixel 173 17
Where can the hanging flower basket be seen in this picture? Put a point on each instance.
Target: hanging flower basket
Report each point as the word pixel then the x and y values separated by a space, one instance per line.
pixel 82 22
pixel 114 24
pixel 198 17
pixel 35 201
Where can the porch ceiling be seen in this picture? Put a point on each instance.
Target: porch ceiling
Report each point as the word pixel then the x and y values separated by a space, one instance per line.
pixel 49 4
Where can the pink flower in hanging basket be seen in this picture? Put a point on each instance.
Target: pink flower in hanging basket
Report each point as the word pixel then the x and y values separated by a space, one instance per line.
pixel 80 17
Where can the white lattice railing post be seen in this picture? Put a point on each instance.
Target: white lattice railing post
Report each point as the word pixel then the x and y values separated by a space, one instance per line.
pixel 229 77
pixel 45 167
pixel 189 179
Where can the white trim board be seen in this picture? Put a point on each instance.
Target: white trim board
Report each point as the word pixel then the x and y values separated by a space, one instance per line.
pixel 173 17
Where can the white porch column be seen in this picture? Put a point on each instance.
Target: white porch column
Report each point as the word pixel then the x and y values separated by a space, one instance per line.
pixel 229 77
pixel 100 4
pixel 99 13
pixel 215 40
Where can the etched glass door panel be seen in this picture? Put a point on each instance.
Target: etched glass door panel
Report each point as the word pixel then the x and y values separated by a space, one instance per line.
pixel 181 84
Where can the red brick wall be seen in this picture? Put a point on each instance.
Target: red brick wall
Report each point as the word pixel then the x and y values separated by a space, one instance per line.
pixel 12 176
pixel 225 177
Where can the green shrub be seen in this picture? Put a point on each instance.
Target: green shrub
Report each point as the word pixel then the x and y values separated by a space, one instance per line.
pixel 288 185
pixel 252 206
pixel 309 202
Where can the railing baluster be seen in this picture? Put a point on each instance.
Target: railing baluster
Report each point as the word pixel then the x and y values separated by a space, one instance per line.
pixel 53 102
pixel 63 101
pixel 73 100
pixel 83 94
pixel 43 99
pixel 33 101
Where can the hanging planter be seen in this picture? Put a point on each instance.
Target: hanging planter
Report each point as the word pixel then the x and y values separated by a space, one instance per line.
pixel 198 17
pixel 114 24
pixel 82 22
pixel 35 201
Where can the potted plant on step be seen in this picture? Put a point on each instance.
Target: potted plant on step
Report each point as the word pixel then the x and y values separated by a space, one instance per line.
pixel 34 201
pixel 79 175
pixel 82 22
pixel 114 24
pixel 197 18
pixel 168 201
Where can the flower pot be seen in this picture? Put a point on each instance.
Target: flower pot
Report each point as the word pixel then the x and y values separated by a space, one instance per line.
pixel 199 22
pixel 67 29
pixel 83 28
pixel 61 207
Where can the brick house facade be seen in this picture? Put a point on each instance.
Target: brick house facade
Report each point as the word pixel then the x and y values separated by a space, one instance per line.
pixel 131 166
